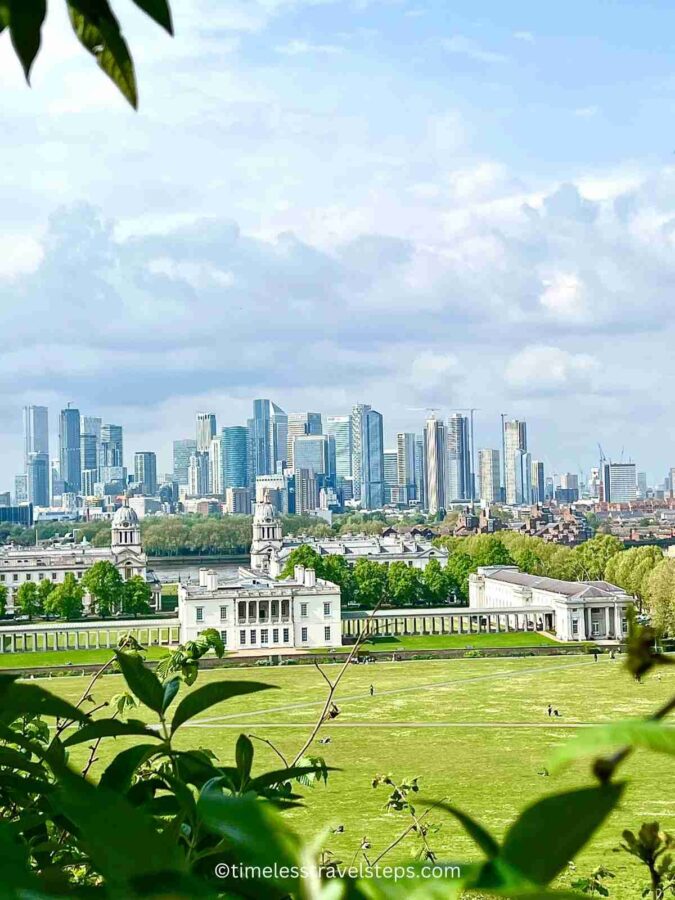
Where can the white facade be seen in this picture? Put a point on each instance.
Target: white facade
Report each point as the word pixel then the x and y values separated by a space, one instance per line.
pixel 21 564
pixel 572 610
pixel 255 612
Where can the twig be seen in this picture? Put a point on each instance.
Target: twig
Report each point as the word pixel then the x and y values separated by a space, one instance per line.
pixel 332 686
pixel 278 752
pixel 407 831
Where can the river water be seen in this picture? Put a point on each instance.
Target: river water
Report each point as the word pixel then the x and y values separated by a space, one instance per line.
pixel 170 570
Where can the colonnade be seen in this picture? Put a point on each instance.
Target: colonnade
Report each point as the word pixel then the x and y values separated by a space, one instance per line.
pixel 18 640
pixel 477 622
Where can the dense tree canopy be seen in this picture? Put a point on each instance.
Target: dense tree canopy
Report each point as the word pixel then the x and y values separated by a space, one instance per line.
pixel 105 586
pixel 65 601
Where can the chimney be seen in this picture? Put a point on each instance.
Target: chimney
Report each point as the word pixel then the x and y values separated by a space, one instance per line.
pixel 299 574
pixel 211 580
pixel 202 577
pixel 310 578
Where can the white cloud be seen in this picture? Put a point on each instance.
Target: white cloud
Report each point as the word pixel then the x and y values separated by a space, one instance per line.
pixel 586 112
pixel 302 48
pixel 434 374
pixel 525 36
pixel 461 45
pixel 542 369
pixel 564 297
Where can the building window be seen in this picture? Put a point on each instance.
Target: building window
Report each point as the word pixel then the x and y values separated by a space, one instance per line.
pixel 254 636
pixel 284 609
pixel 326 609
pixel 2 577
pixel 275 635
pixel 264 636
pixel 15 577
pixel 223 614
pixel 28 576
pixel 286 636
pixel 242 636
pixel 223 637
pixel 575 626
pixel 241 611
pixel 41 576
pixel 199 613
pixel 53 576
pixel 326 633
pixel 595 628
pixel 303 635
pixel 303 610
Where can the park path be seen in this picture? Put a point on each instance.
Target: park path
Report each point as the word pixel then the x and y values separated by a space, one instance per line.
pixel 492 676
pixel 412 724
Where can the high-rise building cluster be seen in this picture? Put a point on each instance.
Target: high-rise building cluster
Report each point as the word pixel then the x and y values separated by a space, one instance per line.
pixel 305 462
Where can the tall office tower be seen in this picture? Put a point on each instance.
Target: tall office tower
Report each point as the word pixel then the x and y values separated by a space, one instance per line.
pixel 311 452
pixel 234 441
pixel 89 461
pixel 436 460
pixel 268 439
pixel 489 476
pixel 368 456
pixel 390 473
pixel 642 485
pixel 35 431
pixel 619 482
pixel 420 472
pixel 300 424
pixel 182 451
pixel 306 491
pixel 340 427
pixel 206 431
pixel 406 450
pixel 198 475
pixel 671 482
pixel 111 452
pixel 21 489
pixel 460 479
pixel 538 482
pixel 69 449
pixel 515 444
pixel 145 472
pixel 523 476
pixel 216 465
pixel 594 483
pixel 37 474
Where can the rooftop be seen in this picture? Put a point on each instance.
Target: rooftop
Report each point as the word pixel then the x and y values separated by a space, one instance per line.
pixel 512 575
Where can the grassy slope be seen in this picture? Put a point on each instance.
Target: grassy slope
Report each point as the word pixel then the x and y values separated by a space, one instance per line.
pixel 490 772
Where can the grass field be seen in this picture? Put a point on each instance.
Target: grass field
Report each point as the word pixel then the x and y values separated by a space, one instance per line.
pixel 475 731
pixel 65 657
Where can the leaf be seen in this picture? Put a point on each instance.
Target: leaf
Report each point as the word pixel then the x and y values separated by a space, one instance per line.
pixel 22 699
pixel 550 833
pixel 279 776
pixel 16 872
pixel 119 773
pixel 159 11
pixel 121 841
pixel 143 683
pixel 170 690
pixel 25 23
pixel 98 31
pixel 645 733
pixel 210 694
pixel 109 728
pixel 243 755
pixel 15 760
pixel 483 838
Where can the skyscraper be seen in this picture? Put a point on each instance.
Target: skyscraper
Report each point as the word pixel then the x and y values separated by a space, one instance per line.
pixel 206 431
pixel 515 444
pixel 300 424
pixel 216 465
pixel 420 472
pixel 35 431
pixel 234 449
pixel 111 455
pixel 311 452
pixel 198 474
pixel 368 456
pixel 489 476
pixel 406 449
pixel 459 459
pixel 89 461
pixel 69 449
pixel 182 451
pixel 145 472
pixel 390 473
pixel 436 458
pixel 619 482
pixel 37 479
pixel 538 482
pixel 340 427
pixel 268 438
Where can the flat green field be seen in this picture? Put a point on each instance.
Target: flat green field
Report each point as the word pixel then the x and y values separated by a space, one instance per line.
pixel 475 731
pixel 65 657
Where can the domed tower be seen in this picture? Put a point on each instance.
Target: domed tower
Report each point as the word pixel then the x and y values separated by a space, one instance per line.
pixel 125 530
pixel 267 536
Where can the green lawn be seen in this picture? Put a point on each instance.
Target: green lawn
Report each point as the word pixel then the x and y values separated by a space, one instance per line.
pixel 475 731
pixel 424 642
pixel 65 657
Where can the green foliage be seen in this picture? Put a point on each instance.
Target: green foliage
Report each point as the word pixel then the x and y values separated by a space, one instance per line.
pixel 184 660
pixel 3 599
pixel 65 600
pixel 136 596
pixel 370 579
pixel 654 848
pixel 659 594
pixel 631 569
pixel 404 584
pixel 594 884
pixel 105 586
pixel 94 25
pixel 590 559
pixel 27 600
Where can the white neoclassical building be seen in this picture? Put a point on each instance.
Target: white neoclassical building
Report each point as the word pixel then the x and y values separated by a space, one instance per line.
pixel 21 564
pixel 256 612
pixel 572 610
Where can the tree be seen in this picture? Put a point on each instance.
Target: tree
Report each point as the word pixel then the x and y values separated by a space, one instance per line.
pixel 630 569
pixel 458 568
pixel 660 596
pixel 404 584
pixel 3 599
pixel 370 580
pixel 104 584
pixel 437 585
pixel 487 550
pixel 336 569
pixel 28 601
pixel 304 555
pixel 590 559
pixel 45 588
pixel 96 28
pixel 136 596
pixel 65 601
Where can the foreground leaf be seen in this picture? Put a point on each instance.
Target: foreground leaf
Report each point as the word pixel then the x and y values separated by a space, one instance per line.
pixel 210 694
pixel 25 24
pixel 120 772
pixel 142 682
pixel 18 699
pixel 109 728
pixel 649 734
pixel 483 838
pixel 159 11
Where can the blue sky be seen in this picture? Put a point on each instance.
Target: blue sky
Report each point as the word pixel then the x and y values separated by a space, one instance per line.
pixel 405 203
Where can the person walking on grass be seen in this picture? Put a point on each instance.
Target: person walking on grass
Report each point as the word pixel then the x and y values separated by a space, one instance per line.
pixel 372 690
pixel 550 710
pixel 595 655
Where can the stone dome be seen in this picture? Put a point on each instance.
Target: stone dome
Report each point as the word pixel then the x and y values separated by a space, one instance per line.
pixel 125 517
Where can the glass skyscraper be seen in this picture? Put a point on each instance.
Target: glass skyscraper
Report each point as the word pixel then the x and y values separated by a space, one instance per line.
pixel 69 450
pixel 234 442
pixel 182 451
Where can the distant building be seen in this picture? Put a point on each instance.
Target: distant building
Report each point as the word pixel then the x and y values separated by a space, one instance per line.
pixel 368 456
pixel 436 459
pixel 17 515
pixel 268 438
pixel 198 475
pixel 145 472
pixel 619 482
pixel 35 431
pixel 234 442
pixel 21 489
pixel 237 501
pixel 489 476
pixel 300 424
pixel 459 475
pixel 390 473
pixel 37 479
pixel 516 480
pixel 538 482
pixel 182 451
pixel 406 467
pixel 69 449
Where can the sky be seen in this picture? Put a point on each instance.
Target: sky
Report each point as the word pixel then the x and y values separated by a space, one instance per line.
pixel 409 204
